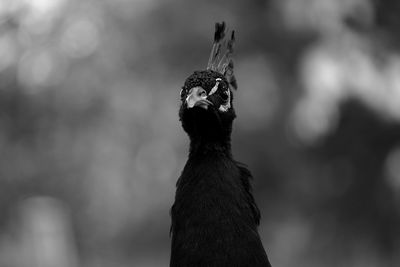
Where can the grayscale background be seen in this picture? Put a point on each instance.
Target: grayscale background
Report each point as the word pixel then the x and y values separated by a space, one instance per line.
pixel 91 145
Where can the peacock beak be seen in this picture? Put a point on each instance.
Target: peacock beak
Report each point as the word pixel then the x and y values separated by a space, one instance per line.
pixel 197 97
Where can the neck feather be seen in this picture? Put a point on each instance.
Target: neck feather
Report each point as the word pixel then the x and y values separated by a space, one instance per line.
pixel 204 146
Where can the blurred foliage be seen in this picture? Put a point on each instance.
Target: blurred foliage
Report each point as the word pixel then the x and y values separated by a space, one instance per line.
pixel 92 146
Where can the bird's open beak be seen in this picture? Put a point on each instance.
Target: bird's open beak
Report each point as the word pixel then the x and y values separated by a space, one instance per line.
pixel 197 97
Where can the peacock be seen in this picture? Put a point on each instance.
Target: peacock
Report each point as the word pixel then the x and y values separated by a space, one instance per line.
pixel 214 216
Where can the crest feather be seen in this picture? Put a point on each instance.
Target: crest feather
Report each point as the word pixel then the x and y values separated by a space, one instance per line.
pixel 224 64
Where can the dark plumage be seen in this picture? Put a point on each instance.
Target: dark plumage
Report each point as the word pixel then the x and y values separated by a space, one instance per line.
pixel 214 217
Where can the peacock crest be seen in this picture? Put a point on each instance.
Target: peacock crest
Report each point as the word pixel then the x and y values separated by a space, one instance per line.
pixel 221 54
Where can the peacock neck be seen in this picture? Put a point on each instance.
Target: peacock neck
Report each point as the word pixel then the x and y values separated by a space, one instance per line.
pixel 200 147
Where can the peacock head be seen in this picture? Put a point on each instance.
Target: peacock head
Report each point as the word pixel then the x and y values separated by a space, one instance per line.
pixel 206 89
pixel 206 96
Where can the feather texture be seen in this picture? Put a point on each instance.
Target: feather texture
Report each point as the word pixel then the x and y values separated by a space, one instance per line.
pixel 223 63
pixel 214 215
pixel 219 35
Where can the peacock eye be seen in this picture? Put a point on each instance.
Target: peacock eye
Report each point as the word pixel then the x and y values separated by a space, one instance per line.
pixel 225 95
pixel 182 93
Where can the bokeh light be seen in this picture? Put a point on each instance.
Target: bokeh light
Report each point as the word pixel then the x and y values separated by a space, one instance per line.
pixel 92 144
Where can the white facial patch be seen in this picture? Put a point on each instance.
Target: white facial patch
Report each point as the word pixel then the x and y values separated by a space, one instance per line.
pixel 215 88
pixel 225 107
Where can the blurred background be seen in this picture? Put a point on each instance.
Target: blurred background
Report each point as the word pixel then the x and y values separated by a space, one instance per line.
pixel 91 145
